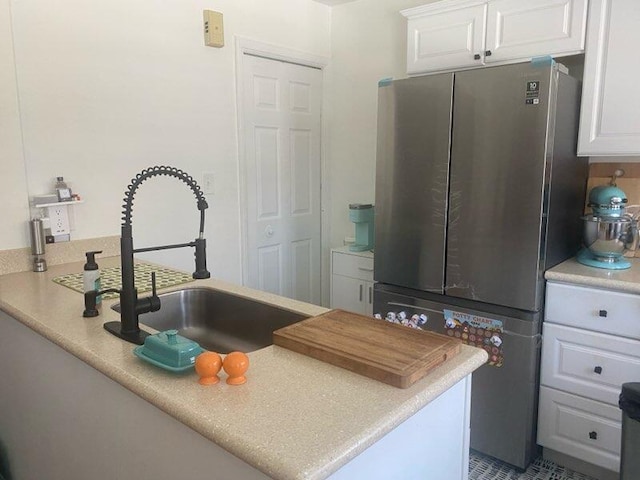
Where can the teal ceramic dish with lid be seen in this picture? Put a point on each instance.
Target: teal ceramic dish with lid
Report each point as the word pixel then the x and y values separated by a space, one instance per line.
pixel 169 350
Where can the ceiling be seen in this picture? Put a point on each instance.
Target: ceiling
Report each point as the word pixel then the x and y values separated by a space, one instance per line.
pixel 334 2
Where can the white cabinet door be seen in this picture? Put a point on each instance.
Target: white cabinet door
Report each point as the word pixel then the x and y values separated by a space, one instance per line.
pixel 593 309
pixel 352 281
pixel 610 115
pixel 443 40
pixel 348 293
pixel 517 29
pixel 590 364
pixel 580 427
pixel 367 308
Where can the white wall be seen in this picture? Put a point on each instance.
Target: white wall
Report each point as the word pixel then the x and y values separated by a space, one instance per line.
pixel 368 44
pixel 14 206
pixel 109 88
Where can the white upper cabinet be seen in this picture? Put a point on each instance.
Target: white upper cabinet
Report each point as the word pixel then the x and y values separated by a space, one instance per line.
pixel 610 116
pixel 454 34
pixel 519 29
pixel 444 38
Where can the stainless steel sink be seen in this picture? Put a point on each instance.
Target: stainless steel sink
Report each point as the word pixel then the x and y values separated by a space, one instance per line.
pixel 219 321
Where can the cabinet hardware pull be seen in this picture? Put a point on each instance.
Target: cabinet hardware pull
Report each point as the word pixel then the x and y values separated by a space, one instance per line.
pixel 593 435
pixel 360 292
pixel 365 269
pixel 476 56
pixel 602 313
pixel 487 53
pixel 370 295
pixel 598 370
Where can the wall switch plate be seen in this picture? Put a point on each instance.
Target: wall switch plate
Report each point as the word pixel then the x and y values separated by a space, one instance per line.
pixel 207 183
pixel 213 29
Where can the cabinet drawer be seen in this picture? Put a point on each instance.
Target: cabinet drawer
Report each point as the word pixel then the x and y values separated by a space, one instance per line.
pixel 354 266
pixel 582 428
pixel 593 309
pixel 590 364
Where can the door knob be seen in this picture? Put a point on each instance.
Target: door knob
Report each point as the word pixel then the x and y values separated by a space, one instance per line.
pixel 598 370
pixel 269 231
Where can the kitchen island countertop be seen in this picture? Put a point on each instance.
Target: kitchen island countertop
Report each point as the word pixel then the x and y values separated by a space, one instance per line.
pixel 571 271
pixel 295 418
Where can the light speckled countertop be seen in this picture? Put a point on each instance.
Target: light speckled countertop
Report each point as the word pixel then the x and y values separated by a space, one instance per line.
pixel 570 271
pixel 295 418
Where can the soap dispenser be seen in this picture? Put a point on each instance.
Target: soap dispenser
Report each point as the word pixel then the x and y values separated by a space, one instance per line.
pixel 91 275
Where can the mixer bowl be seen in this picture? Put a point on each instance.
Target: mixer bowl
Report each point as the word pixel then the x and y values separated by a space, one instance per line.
pixel 607 238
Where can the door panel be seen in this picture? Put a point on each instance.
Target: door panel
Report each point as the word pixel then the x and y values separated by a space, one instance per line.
pixel 411 181
pixel 269 269
pixel 266 153
pixel 498 167
pixel 282 111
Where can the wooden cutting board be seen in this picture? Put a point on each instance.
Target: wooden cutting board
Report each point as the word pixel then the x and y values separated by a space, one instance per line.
pixel 388 352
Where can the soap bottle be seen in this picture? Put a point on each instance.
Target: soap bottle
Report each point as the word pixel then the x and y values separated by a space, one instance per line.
pixel 91 275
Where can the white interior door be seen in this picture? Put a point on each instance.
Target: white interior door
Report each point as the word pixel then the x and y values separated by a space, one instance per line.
pixel 282 126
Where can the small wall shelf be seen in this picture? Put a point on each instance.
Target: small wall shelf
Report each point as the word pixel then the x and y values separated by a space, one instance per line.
pixel 57 204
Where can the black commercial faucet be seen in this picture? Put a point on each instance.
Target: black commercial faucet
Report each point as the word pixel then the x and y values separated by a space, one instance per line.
pixel 130 305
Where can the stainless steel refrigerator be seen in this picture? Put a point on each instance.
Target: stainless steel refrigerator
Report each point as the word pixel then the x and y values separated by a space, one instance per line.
pixel 478 192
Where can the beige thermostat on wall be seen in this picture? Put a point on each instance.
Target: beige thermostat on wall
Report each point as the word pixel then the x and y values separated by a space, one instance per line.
pixel 213 30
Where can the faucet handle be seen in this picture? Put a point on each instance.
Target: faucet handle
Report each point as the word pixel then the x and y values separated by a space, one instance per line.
pixel 201 259
pixel 154 300
pixel 153 285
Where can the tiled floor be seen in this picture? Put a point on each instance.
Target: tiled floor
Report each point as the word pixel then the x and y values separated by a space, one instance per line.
pixel 487 468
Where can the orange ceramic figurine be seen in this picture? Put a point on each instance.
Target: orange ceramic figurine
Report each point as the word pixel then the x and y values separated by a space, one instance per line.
pixel 207 366
pixel 236 364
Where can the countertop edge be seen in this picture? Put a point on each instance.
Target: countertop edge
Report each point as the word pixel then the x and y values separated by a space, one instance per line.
pixel 375 433
pixel 440 379
pixel 573 272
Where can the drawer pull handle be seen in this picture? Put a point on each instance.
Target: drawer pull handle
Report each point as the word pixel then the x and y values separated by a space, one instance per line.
pixel 476 56
pixel 602 313
pixel 598 370
pixel 593 435
pixel 365 269
pixel 360 296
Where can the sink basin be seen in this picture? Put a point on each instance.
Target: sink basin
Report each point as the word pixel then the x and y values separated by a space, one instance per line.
pixel 219 321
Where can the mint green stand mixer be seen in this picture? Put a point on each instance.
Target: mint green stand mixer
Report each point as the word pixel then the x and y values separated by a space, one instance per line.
pixel 609 231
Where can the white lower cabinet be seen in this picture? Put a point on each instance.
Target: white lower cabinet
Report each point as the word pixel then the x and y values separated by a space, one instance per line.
pixel 352 281
pixel 590 347
pixel 580 427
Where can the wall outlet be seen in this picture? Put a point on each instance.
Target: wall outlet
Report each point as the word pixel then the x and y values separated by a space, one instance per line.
pixel 59 220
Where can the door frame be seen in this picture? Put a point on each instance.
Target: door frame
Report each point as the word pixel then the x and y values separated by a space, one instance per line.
pixel 246 46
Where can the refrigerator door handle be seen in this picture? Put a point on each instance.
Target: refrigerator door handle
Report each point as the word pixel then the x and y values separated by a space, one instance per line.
pixel 416 307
